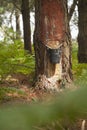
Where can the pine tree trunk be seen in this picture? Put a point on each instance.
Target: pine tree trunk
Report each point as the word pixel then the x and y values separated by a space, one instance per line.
pixel 82 37
pixel 18 32
pixel 26 25
pixel 52 32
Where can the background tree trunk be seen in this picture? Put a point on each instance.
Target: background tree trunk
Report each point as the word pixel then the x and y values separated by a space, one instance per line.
pixel 82 37
pixel 52 31
pixel 17 15
pixel 26 25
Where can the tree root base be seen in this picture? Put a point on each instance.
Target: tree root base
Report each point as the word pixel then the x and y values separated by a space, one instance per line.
pixel 48 84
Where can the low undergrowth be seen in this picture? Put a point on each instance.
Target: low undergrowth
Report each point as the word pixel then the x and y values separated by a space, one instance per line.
pixel 13 59
pixel 79 70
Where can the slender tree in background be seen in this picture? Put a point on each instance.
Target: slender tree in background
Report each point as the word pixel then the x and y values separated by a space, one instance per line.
pixel 26 25
pixel 82 37
pixel 52 35
pixel 18 31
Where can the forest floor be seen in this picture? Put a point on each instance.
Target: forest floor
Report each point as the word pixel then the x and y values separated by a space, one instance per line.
pixel 18 89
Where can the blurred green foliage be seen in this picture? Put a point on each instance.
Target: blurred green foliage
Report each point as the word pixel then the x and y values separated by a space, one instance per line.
pixel 68 107
pixel 13 58
pixel 79 70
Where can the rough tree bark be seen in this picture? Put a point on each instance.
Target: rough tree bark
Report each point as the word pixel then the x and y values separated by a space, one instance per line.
pixel 26 25
pixel 52 32
pixel 82 37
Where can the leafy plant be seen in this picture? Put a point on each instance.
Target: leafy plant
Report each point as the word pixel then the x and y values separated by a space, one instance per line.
pixel 13 59
pixel 79 70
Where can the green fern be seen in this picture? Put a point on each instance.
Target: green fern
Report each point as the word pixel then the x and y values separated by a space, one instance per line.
pixel 13 59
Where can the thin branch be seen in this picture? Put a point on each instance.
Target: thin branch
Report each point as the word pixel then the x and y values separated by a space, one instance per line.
pixel 14 3
pixel 11 16
pixel 72 9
